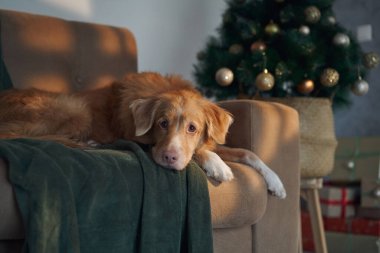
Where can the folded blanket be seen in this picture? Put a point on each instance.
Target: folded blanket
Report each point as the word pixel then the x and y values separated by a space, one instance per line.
pixel 106 200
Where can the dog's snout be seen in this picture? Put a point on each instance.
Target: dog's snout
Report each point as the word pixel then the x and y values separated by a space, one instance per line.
pixel 170 157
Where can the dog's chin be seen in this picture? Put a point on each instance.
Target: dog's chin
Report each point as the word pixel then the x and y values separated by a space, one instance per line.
pixel 171 166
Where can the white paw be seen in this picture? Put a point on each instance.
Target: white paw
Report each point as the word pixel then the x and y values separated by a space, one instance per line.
pixel 216 168
pixel 275 185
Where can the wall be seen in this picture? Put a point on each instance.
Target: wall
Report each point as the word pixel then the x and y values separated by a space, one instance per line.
pixel 169 33
pixel 363 117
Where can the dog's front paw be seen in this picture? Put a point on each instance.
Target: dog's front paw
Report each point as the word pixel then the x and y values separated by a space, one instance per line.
pixel 275 186
pixel 216 168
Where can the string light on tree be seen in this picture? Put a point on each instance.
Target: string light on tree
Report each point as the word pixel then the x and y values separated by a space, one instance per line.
pixel 224 77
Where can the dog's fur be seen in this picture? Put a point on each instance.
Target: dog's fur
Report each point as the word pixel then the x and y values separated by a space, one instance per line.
pixel 164 112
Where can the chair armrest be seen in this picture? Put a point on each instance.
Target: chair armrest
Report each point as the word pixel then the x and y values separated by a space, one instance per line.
pixel 271 130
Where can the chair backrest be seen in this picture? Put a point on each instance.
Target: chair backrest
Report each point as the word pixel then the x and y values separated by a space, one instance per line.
pixel 64 56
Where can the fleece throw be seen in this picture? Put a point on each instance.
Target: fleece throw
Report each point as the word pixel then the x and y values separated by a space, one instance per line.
pixel 106 200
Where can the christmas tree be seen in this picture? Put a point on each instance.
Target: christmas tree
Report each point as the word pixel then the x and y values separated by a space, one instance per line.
pixel 282 48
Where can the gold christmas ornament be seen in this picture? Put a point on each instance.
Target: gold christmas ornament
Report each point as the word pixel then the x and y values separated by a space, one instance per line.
pixel 306 86
pixel 258 46
pixel 224 76
pixel 329 77
pixel 341 39
pixel 272 29
pixel 312 14
pixel 360 87
pixel 264 81
pixel 371 60
pixel 236 49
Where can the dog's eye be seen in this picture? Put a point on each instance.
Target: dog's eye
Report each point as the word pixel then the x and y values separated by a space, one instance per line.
pixel 164 124
pixel 192 128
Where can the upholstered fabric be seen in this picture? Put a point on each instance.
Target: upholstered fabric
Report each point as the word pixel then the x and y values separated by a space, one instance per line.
pixel 63 56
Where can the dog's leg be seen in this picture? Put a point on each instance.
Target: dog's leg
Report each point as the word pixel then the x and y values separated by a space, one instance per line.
pixel 249 158
pixel 214 165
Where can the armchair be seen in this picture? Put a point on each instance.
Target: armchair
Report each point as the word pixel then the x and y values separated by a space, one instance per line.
pixel 63 56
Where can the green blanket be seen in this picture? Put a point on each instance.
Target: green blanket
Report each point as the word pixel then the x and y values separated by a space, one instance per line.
pixel 106 200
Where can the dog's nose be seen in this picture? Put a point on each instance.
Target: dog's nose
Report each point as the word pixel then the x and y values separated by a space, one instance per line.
pixel 170 157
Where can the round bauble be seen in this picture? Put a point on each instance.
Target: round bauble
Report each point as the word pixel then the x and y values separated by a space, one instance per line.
pixel 264 81
pixel 305 30
pixel 272 29
pixel 331 20
pixel 224 76
pixel 305 87
pixel 329 77
pixel 351 165
pixel 371 60
pixel 258 46
pixel 201 55
pixel 360 87
pixel 312 14
pixel 341 39
pixel 235 49
pixel 376 192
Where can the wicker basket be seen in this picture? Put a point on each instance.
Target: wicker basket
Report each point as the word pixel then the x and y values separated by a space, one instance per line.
pixel 318 141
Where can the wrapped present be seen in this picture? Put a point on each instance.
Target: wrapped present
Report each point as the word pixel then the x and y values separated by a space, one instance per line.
pixel 344 235
pixel 339 201
pixel 357 226
pixel 356 158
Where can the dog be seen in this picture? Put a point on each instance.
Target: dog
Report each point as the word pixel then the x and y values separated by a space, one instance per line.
pixel 165 112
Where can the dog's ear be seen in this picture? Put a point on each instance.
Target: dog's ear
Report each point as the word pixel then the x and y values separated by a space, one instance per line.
pixel 218 121
pixel 144 111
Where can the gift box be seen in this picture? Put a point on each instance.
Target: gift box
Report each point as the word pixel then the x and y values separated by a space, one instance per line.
pixel 356 158
pixel 339 201
pixel 357 226
pixel 344 235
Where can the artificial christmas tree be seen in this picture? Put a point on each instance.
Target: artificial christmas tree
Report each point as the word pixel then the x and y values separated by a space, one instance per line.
pixel 283 48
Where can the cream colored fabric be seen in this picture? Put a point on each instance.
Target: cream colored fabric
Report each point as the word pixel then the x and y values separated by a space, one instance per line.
pixel 271 130
pixel 240 202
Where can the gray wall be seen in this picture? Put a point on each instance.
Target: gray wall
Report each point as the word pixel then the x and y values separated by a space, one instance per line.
pixel 363 117
pixel 169 33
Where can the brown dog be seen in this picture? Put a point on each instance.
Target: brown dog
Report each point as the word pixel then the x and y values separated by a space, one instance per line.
pixel 165 112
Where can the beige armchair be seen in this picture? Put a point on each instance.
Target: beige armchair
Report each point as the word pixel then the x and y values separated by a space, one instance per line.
pixel 62 56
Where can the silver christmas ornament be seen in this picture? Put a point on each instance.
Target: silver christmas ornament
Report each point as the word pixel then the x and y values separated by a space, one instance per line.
pixel 224 76
pixel 360 87
pixel 351 165
pixel 331 20
pixel 376 193
pixel 341 39
pixel 305 30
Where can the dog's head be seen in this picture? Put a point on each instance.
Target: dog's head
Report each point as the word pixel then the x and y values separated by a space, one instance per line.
pixel 178 123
